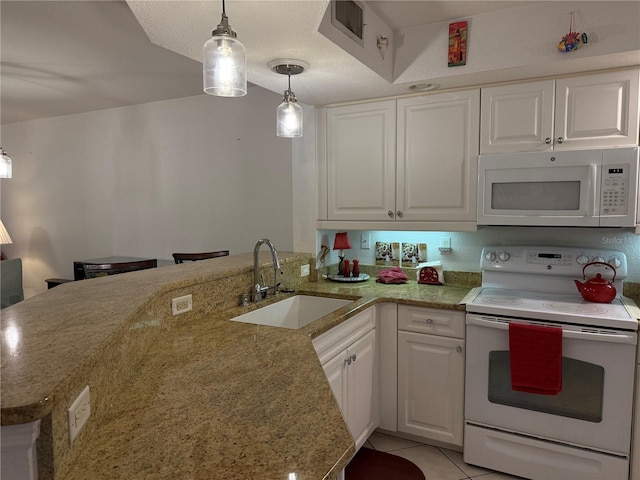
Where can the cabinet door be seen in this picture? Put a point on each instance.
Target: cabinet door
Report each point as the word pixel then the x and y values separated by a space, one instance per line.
pixel 351 375
pixel 361 411
pixel 361 161
pixel 387 337
pixel 597 110
pixel 437 157
pixel 517 118
pixel 431 387
pixel 334 370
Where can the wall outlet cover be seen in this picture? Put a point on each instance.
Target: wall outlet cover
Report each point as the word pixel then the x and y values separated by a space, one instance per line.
pixel 78 413
pixel 181 304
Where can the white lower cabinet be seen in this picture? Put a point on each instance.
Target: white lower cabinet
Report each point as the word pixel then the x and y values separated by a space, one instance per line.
pixel 19 454
pixel 348 356
pixel 431 373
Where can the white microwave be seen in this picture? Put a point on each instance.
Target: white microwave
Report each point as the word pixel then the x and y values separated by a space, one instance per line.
pixel 582 188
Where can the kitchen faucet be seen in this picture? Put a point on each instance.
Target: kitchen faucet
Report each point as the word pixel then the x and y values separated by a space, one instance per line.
pixel 261 291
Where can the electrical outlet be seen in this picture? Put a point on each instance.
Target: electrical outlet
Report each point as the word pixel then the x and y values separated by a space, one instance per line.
pixel 364 240
pixel 445 245
pixel 78 413
pixel 304 270
pixel 181 304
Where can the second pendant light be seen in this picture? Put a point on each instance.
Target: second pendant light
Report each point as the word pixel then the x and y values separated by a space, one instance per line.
pixel 289 113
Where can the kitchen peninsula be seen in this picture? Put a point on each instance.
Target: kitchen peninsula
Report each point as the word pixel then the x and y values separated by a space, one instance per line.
pixel 189 396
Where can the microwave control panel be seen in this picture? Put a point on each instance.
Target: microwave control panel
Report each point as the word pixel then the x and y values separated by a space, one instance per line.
pixel 614 190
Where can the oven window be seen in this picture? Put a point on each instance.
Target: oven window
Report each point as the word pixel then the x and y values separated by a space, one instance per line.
pixel 581 396
pixel 536 195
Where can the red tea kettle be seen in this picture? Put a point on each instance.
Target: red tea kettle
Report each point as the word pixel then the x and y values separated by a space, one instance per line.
pixel 597 289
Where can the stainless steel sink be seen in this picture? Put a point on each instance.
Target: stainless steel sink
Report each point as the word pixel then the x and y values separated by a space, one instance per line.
pixel 294 312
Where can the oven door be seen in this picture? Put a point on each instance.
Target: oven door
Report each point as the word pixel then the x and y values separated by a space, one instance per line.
pixel 593 410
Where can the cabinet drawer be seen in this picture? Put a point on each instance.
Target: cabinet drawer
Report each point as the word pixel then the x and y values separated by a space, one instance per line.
pixel 330 343
pixel 434 321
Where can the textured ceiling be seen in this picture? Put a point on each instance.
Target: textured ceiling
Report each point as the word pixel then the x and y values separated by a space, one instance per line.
pixel 63 57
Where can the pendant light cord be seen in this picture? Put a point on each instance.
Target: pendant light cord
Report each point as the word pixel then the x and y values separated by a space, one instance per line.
pixel 224 12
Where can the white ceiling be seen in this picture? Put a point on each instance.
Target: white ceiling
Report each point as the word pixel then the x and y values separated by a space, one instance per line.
pixel 60 58
pixel 64 57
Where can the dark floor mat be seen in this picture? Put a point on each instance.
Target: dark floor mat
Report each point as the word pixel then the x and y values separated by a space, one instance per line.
pixel 374 465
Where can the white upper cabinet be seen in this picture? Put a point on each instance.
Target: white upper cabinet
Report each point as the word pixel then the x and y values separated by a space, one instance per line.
pixel 597 110
pixel 437 157
pixel 587 111
pixel 414 164
pixel 361 143
pixel 517 118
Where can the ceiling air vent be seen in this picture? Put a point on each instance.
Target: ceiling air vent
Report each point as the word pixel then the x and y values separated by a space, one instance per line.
pixel 348 17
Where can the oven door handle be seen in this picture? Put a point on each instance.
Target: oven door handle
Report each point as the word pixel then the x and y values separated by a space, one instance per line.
pixel 593 334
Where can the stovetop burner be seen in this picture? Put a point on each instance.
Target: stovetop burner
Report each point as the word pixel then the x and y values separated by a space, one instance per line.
pixel 564 308
pixel 537 283
pixel 577 308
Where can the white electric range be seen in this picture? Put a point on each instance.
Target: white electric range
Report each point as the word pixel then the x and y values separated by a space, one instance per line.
pixel 584 431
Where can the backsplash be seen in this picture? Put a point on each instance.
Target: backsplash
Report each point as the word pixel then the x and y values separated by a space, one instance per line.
pixel 466 247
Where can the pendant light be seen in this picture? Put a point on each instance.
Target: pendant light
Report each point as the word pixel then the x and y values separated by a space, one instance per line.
pixel 289 113
pixel 224 64
pixel 5 164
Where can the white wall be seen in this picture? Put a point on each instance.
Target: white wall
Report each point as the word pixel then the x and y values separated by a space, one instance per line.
pixel 522 41
pixel 191 174
pixel 305 185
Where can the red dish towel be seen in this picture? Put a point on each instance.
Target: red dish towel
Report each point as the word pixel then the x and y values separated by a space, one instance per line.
pixel 392 275
pixel 535 355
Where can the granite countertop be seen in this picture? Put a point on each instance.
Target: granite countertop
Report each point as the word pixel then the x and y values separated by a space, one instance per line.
pixel 247 400
pixel 194 396
pixel 220 399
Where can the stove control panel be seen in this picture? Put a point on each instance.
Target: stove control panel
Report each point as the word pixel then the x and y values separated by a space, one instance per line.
pixel 565 261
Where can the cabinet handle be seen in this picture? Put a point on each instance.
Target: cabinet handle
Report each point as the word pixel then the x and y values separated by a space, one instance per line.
pixel 390 213
pixel 547 141
pixel 459 349
pixel 560 140
pixel 399 214
pixel 350 358
pixel 429 320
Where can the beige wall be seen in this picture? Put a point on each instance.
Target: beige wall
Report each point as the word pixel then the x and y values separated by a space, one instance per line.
pixel 191 174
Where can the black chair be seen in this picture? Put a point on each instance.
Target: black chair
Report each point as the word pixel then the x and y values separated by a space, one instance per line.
pixel 93 270
pixel 192 257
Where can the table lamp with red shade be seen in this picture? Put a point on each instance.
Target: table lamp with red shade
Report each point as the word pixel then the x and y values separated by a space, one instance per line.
pixel 341 243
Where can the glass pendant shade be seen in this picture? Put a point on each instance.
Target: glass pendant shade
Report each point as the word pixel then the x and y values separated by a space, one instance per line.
pixel 224 63
pixel 289 117
pixel 5 164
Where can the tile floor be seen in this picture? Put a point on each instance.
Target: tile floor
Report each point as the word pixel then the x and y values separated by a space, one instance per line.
pixel 435 462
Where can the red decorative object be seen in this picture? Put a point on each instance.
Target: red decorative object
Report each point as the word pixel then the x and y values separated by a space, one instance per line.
pixel 356 268
pixel 347 269
pixel 597 289
pixel 457 44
